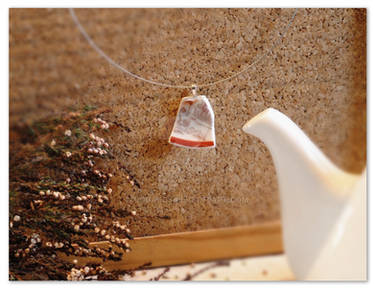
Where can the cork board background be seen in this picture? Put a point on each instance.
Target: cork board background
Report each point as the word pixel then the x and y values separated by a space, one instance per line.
pixel 317 77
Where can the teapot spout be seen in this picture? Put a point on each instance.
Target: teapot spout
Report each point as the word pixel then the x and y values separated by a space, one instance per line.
pixel 312 189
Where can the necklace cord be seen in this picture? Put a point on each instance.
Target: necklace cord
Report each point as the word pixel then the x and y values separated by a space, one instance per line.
pixel 118 66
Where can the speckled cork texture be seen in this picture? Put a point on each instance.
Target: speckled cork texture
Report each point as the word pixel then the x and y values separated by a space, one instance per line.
pixel 317 76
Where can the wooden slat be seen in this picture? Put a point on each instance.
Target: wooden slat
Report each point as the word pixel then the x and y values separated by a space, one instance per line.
pixel 197 246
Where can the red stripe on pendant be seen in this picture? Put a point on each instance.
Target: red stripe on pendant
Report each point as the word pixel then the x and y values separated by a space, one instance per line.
pixel 190 143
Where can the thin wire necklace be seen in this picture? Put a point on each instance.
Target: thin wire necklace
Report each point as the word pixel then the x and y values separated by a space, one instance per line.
pixel 194 125
pixel 115 64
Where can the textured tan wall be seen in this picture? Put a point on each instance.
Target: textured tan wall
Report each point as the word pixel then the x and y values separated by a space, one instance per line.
pixel 317 77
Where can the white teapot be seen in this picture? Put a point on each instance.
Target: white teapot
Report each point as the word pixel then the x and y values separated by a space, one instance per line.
pixel 323 209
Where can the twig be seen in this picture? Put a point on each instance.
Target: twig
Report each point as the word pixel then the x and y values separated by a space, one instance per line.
pixel 157 278
pixel 190 277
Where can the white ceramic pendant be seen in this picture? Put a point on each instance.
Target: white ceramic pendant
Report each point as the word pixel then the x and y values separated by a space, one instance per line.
pixel 194 125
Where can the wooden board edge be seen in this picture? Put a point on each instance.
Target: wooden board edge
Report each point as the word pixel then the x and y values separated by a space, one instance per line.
pixel 195 246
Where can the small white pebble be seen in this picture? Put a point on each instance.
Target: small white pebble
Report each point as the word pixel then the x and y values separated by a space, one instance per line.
pixel 76 228
pixel 17 218
pixel 109 191
pixel 103 232
pixel 133 213
pixel 41 193
pixel 53 143
pixel 68 132
pixel 68 154
pixel 75 261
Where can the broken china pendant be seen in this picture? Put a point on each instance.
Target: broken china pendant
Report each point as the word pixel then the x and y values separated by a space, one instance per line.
pixel 194 125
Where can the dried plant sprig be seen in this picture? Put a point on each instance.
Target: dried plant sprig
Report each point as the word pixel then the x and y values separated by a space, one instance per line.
pixel 60 200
